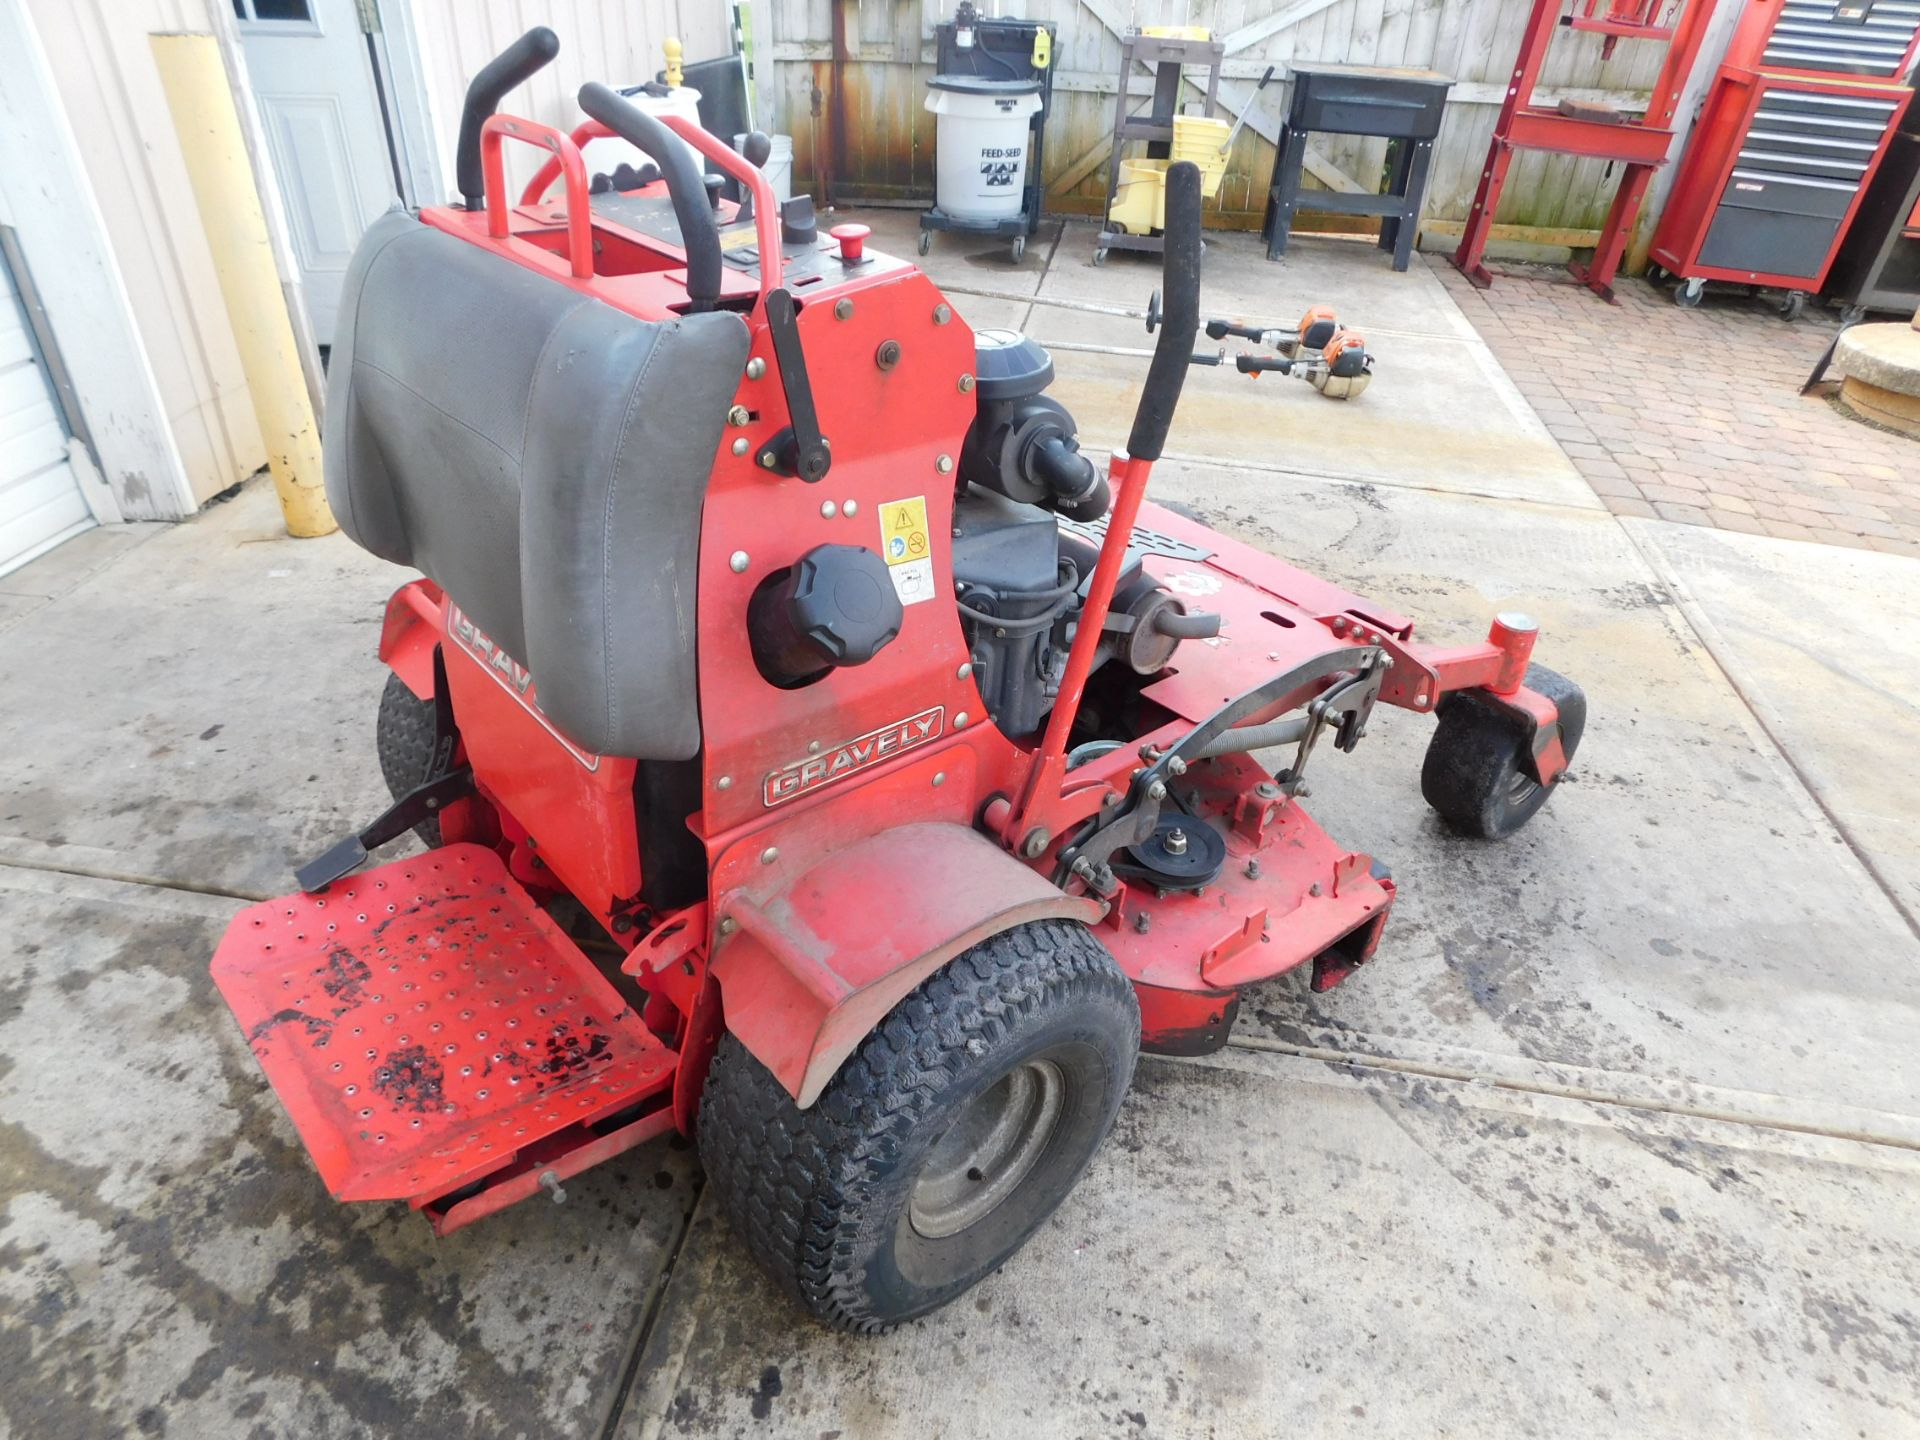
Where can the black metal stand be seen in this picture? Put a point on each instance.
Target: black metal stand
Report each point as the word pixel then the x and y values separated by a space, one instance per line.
pixel 1402 105
pixel 1168 59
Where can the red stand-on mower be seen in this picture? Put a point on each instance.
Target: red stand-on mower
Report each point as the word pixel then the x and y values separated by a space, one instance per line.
pixel 817 754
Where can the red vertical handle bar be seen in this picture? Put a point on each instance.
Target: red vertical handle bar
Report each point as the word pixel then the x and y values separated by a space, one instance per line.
pixel 1127 474
pixel 766 208
pixel 1127 479
pixel 497 130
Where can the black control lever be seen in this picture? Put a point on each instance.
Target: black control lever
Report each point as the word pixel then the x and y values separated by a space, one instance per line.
pixel 800 449
pixel 511 67
pixel 1220 329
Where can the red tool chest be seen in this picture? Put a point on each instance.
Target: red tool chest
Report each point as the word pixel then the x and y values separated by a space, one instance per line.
pixel 1792 129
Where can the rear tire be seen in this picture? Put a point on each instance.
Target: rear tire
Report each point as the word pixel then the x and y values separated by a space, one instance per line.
pixel 946 1139
pixel 1473 774
pixel 404 734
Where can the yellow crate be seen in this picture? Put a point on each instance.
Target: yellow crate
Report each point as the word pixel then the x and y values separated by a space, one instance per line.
pixel 1198 138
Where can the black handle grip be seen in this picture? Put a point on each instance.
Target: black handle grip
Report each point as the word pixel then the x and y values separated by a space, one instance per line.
pixel 513 66
pixel 699 235
pixel 1220 329
pixel 1261 364
pixel 1179 316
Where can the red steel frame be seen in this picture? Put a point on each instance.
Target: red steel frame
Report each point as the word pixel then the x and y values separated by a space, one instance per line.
pixel 860 830
pixel 1640 145
pixel 1739 88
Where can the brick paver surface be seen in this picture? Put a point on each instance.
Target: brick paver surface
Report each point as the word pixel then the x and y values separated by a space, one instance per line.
pixel 1696 415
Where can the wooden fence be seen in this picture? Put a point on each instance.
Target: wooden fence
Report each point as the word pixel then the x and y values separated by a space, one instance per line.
pixel 884 51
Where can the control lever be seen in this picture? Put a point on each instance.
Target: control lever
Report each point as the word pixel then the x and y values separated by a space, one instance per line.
pixel 800 449
pixel 756 149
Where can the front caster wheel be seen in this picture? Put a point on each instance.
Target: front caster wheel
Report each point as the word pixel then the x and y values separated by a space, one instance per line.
pixel 1019 247
pixel 1792 305
pixel 945 1140
pixel 1688 293
pixel 1473 774
pixel 926 241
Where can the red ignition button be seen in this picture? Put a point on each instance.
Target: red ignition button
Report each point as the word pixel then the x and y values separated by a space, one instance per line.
pixel 853 241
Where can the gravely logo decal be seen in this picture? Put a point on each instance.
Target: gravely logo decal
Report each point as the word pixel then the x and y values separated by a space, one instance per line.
pixel 790 782
pixel 513 677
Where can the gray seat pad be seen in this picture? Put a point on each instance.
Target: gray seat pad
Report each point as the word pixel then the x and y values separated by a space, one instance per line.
pixel 544 458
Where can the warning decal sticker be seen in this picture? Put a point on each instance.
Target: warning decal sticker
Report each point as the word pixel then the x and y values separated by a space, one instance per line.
pixel 908 546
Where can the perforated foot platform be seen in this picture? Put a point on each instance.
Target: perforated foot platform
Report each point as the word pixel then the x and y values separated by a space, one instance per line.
pixel 427 1026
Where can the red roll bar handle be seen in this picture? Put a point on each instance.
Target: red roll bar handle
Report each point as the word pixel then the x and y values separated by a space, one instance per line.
pixel 766 208
pixel 566 160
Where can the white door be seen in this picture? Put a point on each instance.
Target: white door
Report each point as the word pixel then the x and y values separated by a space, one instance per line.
pixel 313 76
pixel 40 500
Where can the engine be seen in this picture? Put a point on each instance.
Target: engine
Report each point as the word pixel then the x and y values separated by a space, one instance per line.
pixel 1020 583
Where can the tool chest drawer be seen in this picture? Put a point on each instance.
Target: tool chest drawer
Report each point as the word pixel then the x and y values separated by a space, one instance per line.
pixel 1846 39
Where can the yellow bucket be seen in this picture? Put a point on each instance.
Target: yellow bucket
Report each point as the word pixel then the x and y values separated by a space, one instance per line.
pixel 1140 199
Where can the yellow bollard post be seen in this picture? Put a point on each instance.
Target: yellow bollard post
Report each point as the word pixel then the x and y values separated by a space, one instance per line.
pixel 195 80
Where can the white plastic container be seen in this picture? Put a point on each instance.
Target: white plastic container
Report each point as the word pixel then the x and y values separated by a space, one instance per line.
pixel 779 166
pixel 602 154
pixel 980 150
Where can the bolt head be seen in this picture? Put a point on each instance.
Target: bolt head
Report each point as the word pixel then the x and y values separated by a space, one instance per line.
pixel 766 460
pixel 756 367
pixel 741 446
pixel 739 415
pixel 851 508
pixel 944 464
pixel 1176 766
pixel 1267 790
pixel 960 721
pixel 725 782
pixel 828 509
pixel 966 384
pixel 942 314
pixel 963 672
pixel 738 562
pixel 1157 790
pixel 939 778
pixel 843 309
pixel 728 925
pixel 1034 843
pixel 1420 702
pixel 770 854
pixel 1339 625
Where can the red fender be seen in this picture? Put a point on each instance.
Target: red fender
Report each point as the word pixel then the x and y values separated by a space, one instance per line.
pixel 409 633
pixel 806 972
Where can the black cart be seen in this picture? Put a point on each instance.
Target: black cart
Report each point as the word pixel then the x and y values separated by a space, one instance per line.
pixel 1878 267
pixel 1403 105
pixel 1002 53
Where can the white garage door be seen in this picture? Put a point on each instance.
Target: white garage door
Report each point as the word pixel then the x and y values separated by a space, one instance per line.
pixel 40 501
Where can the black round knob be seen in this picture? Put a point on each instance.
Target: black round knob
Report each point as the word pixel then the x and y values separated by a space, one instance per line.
pixel 843 603
pixel 757 149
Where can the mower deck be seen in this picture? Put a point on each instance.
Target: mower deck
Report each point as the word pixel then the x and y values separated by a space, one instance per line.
pixel 437 1039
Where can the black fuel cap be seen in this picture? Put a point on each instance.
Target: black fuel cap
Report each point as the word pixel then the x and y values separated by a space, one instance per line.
pixel 843 603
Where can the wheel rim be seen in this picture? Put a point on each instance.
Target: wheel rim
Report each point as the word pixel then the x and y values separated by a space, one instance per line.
pixel 989 1149
pixel 1520 789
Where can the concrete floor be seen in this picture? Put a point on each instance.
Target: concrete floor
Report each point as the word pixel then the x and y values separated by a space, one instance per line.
pixel 1617 1138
